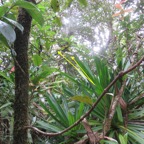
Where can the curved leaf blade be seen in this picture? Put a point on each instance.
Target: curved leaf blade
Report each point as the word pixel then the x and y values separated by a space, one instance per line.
pixel 37 60
pixel 83 99
pixel 7 31
pixel 19 26
pixel 3 10
pixel 32 10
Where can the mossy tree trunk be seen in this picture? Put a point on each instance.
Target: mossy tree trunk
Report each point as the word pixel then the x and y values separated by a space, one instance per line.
pixel 20 135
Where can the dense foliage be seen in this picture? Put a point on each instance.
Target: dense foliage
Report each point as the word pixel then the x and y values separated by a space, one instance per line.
pixel 76 50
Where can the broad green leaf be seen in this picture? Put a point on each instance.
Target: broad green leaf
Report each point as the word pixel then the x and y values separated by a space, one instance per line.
pixel 55 5
pixel 83 2
pixel 19 26
pixel 32 10
pixel 4 40
pixel 3 10
pixel 7 31
pixel 84 99
pixel 37 60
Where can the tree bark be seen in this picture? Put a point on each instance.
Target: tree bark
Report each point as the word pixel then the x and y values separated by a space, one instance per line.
pixel 20 135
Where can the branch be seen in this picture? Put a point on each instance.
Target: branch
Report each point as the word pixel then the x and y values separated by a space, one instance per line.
pixel 112 110
pixel 121 74
pixel 93 138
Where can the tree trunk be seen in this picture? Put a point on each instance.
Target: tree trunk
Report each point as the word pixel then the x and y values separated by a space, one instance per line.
pixel 20 135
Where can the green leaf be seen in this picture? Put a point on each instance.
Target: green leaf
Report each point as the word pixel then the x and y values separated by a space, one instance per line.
pixel 37 60
pixel 55 5
pixel 70 118
pixel 83 2
pixel 122 139
pixel 50 113
pixel 102 72
pixel 134 135
pixel 42 75
pixel 136 114
pixel 139 102
pixel 3 10
pixel 8 32
pixel 5 105
pixel 5 76
pixel 84 70
pixel 108 142
pixel 68 3
pixel 58 21
pixel 80 111
pixel 126 137
pixel 65 106
pixel 119 113
pixel 19 26
pixel 48 126
pixel 56 107
pixel 84 99
pixel 32 10
pixel 136 127
pixel 4 40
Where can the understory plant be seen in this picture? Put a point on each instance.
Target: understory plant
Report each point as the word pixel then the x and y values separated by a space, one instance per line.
pixel 118 117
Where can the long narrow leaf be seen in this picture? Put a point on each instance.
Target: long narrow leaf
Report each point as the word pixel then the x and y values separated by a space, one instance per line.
pixel 6 77
pixel 134 135
pixel 16 24
pixel 57 109
pixel 80 111
pixel 52 115
pixel 5 105
pixel 48 126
